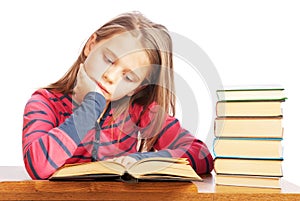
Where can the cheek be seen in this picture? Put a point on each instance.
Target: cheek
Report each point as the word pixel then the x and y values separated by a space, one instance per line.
pixel 125 88
pixel 94 66
pixel 122 89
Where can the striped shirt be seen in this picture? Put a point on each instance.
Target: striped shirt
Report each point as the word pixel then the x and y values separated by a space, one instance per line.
pixel 57 131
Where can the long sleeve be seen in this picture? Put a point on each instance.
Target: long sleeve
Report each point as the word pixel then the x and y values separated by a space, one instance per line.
pixel 51 132
pixel 180 143
pixel 175 141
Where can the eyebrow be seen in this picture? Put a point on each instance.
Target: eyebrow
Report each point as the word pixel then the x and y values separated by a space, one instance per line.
pixel 128 70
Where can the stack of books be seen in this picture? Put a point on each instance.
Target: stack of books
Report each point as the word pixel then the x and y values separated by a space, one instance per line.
pixel 248 134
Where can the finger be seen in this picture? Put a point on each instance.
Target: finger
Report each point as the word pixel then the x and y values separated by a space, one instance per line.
pixel 82 69
pixel 80 73
pixel 128 161
pixel 119 159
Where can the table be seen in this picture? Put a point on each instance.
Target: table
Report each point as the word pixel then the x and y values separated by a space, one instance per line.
pixel 15 184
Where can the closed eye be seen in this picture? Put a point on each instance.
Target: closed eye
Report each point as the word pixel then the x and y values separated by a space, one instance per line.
pixel 107 59
pixel 131 77
pixel 128 78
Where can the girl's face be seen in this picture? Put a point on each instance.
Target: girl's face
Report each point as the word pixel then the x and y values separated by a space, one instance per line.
pixel 118 64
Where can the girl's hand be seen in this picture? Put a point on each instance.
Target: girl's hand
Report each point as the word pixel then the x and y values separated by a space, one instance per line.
pixel 127 161
pixel 84 85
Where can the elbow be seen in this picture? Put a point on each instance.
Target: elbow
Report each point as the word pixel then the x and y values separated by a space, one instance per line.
pixel 37 169
pixel 210 162
pixel 200 157
pixel 205 163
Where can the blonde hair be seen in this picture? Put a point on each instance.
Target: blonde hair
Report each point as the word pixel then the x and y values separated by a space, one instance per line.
pixel 159 85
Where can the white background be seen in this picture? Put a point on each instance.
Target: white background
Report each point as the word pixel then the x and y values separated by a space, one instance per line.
pixel 249 42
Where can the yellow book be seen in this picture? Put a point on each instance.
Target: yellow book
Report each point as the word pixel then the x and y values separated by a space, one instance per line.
pixel 263 127
pixel 270 108
pixel 255 93
pixel 157 168
pixel 255 167
pixel 249 181
pixel 256 148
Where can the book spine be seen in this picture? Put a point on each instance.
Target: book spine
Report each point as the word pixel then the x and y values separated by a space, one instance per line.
pixel 246 111
pixel 241 156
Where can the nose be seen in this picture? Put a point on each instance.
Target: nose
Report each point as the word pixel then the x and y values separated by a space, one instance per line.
pixel 111 74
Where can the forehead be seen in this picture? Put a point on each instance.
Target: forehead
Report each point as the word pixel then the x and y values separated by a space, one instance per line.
pixel 126 48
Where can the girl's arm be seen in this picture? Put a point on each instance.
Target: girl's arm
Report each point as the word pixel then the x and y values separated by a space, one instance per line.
pixel 47 140
pixel 175 141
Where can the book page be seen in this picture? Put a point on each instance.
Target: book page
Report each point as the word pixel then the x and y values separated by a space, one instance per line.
pixel 163 169
pixel 99 167
pixel 163 159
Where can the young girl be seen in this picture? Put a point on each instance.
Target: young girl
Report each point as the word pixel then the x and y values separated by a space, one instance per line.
pixel 116 102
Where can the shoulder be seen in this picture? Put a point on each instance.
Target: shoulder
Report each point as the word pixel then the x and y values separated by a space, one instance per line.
pixel 47 97
pixel 50 95
pixel 40 95
pixel 45 93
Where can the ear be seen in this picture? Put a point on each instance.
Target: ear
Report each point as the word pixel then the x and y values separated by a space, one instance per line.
pixel 89 44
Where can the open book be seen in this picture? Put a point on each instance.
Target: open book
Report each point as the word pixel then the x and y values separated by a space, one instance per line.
pixel 157 168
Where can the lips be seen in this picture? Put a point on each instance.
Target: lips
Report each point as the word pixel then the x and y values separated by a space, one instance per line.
pixel 102 87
